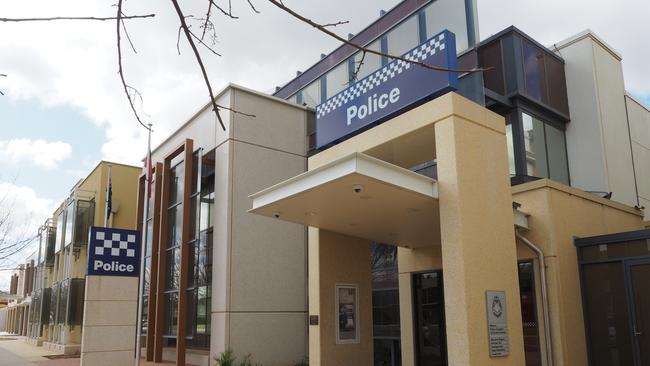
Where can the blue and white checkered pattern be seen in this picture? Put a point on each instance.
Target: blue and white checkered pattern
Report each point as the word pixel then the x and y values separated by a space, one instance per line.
pixel 115 244
pixel 382 75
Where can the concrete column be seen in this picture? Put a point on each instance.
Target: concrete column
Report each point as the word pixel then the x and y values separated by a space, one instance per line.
pixel 338 259
pixel 478 243
pixel 109 323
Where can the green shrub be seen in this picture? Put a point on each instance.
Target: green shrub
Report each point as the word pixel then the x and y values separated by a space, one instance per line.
pixel 226 358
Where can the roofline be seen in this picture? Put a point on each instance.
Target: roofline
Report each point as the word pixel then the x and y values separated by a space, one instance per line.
pixel 221 92
pixel 513 29
pixel 588 33
pixel 364 43
pixel 640 103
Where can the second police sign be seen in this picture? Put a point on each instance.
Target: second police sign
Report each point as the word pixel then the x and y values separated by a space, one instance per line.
pixel 397 86
pixel 113 252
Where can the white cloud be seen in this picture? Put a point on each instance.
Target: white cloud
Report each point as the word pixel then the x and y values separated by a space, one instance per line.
pixel 40 152
pixel 75 63
pixel 27 212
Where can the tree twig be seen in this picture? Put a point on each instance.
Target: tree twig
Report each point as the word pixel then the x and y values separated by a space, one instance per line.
pixel 190 40
pixel 324 29
pixel 253 6
pixel 47 19
pixel 118 22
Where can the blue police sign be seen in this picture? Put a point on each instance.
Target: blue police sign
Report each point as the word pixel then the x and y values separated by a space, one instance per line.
pixel 392 89
pixel 113 252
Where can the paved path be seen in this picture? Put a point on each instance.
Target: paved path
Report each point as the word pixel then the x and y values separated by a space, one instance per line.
pixel 15 352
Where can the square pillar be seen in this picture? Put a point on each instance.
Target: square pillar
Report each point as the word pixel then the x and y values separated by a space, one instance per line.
pixel 344 260
pixel 477 233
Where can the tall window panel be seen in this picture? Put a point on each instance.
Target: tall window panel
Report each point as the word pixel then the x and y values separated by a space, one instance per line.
pixel 200 262
pixel 311 94
pixel 173 245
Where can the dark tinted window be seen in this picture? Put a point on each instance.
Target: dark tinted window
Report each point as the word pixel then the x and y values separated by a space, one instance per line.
pixel 556 84
pixel 606 310
pixel 534 74
pixel 490 57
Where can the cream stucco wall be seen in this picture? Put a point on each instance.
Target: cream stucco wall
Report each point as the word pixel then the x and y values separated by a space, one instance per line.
pixel 558 214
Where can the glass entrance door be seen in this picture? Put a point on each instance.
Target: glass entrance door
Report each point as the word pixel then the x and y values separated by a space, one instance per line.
pixel 430 319
pixel 639 294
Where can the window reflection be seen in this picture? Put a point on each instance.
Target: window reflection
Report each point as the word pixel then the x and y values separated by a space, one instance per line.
pixel 311 94
pixel 367 64
pixel 404 37
pixel 546 155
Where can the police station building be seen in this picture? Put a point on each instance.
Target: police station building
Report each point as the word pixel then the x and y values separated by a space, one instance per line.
pixel 403 216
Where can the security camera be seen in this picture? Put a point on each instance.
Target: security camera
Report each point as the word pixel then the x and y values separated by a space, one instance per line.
pixel 357 188
pixel 276 215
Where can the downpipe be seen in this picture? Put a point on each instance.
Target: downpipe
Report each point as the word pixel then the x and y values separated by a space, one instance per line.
pixel 544 290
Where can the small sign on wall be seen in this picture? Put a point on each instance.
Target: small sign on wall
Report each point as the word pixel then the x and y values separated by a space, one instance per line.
pixel 113 252
pixel 497 318
pixel 347 314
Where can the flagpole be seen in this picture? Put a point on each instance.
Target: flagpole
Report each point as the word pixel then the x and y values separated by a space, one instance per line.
pixel 108 197
pixel 138 346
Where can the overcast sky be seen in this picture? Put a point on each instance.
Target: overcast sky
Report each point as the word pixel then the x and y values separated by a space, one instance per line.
pixel 64 108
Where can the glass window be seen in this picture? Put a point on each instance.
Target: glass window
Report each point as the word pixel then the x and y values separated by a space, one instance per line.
pixel 63 301
pixel 607 313
pixel 529 313
pixel 546 155
pixel 534 74
pixel 557 155
pixel 447 14
pixel 311 94
pixel 556 84
pixel 633 248
pixel 59 231
pixel 171 312
pixel 369 63
pixel 536 164
pixel 175 219
pixel 69 224
pixel 511 150
pixel 176 183
pixel 337 79
pixel 404 37
pixel 173 268
pixel 84 219
pixel 490 57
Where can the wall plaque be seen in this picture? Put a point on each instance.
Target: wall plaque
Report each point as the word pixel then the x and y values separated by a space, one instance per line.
pixel 497 318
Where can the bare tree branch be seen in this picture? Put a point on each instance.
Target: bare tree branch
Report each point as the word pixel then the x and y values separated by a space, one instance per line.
pixel 2 75
pixel 324 29
pixel 226 13
pixel 126 33
pixel 253 6
pixel 118 22
pixel 336 24
pixel 190 40
pixel 75 18
pixel 358 68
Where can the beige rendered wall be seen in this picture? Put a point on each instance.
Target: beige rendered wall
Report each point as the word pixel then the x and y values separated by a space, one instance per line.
pixel 639 119
pixel 559 213
pixel 259 302
pixel 598 142
pixel 109 322
pixel 338 259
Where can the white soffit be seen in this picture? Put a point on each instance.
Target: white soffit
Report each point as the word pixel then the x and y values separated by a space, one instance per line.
pixel 394 205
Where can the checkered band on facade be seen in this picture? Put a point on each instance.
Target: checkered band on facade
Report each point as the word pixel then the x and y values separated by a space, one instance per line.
pixel 382 75
pixel 114 245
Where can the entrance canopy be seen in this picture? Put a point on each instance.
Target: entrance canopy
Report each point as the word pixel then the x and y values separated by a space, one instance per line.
pixel 359 196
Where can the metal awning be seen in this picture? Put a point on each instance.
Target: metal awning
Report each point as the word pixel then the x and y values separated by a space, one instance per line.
pixel 359 196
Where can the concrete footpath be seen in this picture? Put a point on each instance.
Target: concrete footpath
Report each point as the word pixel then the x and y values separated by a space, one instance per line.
pixel 15 352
